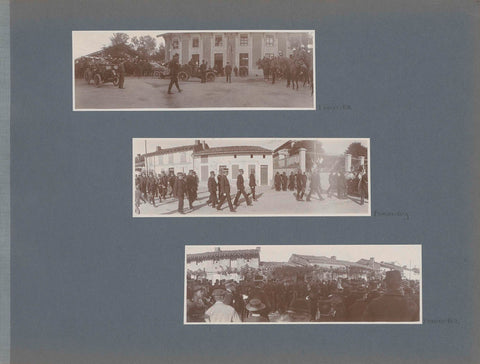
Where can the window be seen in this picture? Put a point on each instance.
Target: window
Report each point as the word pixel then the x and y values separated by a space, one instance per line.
pixel 170 158
pixel 218 41
pixel 195 43
pixel 235 168
pixel 159 159
pixel 175 44
pixel 244 39
pixel 269 40
pixel 204 159
pixel 183 157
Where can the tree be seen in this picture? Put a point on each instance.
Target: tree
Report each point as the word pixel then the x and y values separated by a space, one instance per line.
pixel 357 150
pixel 145 45
pixel 119 38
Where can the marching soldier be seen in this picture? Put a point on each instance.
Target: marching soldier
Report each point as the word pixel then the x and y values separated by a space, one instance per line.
pixel 151 188
pixel 241 190
pixel 191 185
pixel 179 191
pixel 252 183
pixel 225 191
pixel 212 189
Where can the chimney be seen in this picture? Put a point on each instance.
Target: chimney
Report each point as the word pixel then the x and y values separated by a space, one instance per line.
pixel 159 148
pixel 217 249
pixel 197 142
pixel 333 257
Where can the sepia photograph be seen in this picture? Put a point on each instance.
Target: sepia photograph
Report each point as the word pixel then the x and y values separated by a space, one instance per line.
pixel 322 284
pixel 193 70
pixel 231 177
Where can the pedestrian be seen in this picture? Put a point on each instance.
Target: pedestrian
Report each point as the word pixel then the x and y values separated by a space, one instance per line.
pixel 300 185
pixel 180 191
pixel 203 72
pixel 121 73
pixel 228 72
pixel 143 185
pixel 174 66
pixel 235 71
pixel 220 312
pixel 273 68
pixel 278 182
pixel 252 183
pixel 225 191
pixel 151 188
pixel 362 184
pixel 241 190
pixel 315 185
pixel 284 181
pixel 291 181
pixel 212 189
pixel 171 183
pixel 138 198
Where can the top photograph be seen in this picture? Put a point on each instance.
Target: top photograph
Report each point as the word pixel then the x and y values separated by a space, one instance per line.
pixel 161 70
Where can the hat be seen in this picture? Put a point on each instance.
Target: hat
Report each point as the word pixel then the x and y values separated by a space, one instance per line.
pixel 255 305
pixel 218 292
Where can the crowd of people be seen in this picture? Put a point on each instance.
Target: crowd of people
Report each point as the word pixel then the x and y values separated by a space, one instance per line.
pixel 154 188
pixel 391 299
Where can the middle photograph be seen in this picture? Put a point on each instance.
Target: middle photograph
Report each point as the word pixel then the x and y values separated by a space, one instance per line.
pixel 232 177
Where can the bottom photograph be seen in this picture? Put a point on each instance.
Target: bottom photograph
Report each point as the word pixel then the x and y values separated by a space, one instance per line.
pixel 303 284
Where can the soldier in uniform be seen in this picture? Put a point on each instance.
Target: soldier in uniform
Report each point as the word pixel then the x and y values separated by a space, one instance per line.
pixel 278 181
pixel 241 190
pixel 171 182
pixel 191 184
pixel 143 185
pixel 252 183
pixel 228 72
pixel 179 191
pixel 225 191
pixel 284 181
pixel 362 184
pixel 151 188
pixel 203 72
pixel 291 181
pixel 174 69
pixel 393 306
pixel 212 189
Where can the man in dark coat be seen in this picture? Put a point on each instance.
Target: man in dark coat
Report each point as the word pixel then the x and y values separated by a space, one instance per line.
pixel 191 188
pixel 315 185
pixel 241 189
pixel 212 189
pixel 171 182
pixel 143 185
pixel 284 181
pixel 225 191
pixel 393 306
pixel 151 188
pixel 278 181
pixel 174 66
pixel 228 72
pixel 300 185
pixel 179 191
pixel 291 181
pixel 121 73
pixel 203 72
pixel 252 183
pixel 362 184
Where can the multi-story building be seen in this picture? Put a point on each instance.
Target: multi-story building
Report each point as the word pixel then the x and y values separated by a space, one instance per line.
pixel 241 49
pixel 222 264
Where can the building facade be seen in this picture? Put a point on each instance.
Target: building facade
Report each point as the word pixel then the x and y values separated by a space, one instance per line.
pixel 241 49
pixel 234 158
pixel 222 264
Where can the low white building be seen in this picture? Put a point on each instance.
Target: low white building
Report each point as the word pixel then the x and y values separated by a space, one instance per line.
pixel 235 158
pixel 222 264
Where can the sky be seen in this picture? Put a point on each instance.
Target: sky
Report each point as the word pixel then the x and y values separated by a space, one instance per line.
pixel 331 146
pixel 409 255
pixel 86 42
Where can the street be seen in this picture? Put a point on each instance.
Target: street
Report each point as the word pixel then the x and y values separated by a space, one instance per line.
pixel 151 93
pixel 269 203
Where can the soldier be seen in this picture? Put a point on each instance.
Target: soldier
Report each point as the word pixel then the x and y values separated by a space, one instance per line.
pixel 174 69
pixel 143 185
pixel 252 183
pixel 228 72
pixel 315 185
pixel 241 190
pixel 164 182
pixel 179 191
pixel 151 188
pixel 300 185
pixel 203 72
pixel 121 73
pixel 278 182
pixel 362 184
pixel 291 181
pixel 212 189
pixel 191 188
pixel 393 306
pixel 273 68
pixel 225 191
pixel 171 183
pixel 138 197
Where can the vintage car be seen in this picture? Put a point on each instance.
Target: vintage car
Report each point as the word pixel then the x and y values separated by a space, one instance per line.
pixel 103 73
pixel 186 71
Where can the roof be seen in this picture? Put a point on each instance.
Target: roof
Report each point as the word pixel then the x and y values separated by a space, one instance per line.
pixel 183 148
pixel 312 259
pixel 240 149
pixel 224 254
